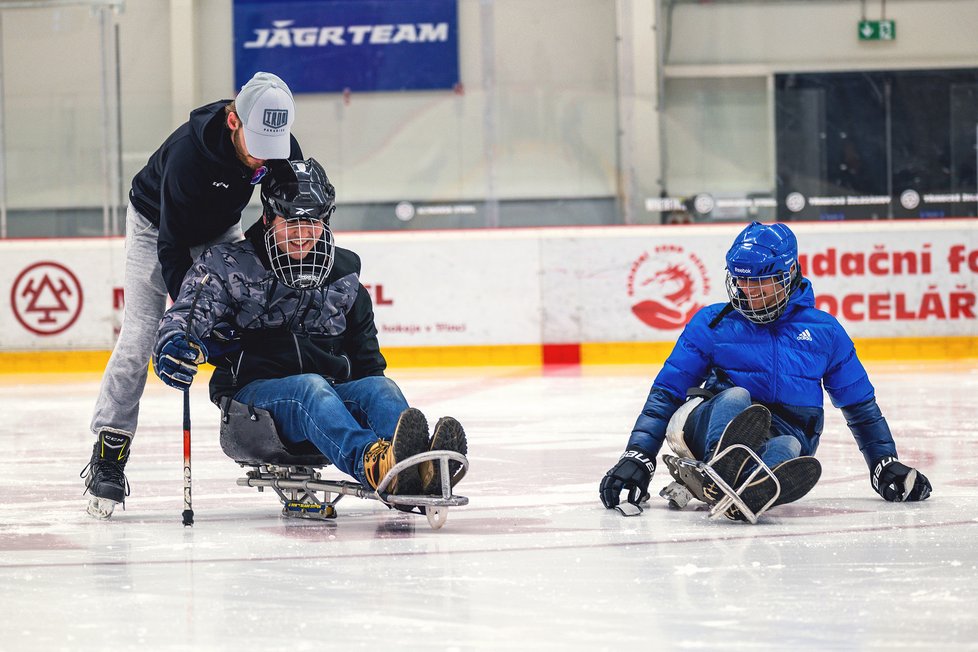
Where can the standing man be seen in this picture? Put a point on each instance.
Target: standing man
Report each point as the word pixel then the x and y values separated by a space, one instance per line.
pixel 189 195
pixel 761 362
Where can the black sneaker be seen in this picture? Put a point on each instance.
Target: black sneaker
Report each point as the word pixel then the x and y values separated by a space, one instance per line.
pixel 104 474
pixel 410 438
pixel 796 476
pixel 448 436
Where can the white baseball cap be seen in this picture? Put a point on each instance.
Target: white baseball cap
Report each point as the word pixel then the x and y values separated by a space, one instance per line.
pixel 267 110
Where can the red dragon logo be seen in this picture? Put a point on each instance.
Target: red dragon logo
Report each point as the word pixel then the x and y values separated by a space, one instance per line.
pixel 668 285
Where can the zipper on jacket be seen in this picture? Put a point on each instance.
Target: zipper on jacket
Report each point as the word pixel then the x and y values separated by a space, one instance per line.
pixel 236 369
pixel 298 353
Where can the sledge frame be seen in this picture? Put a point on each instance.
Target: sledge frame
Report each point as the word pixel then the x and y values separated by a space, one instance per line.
pixel 250 438
pixel 732 496
pixel 298 487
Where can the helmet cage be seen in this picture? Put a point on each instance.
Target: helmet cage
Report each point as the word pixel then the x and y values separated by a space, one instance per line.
pixel 762 271
pixel 770 295
pixel 308 272
pixel 298 192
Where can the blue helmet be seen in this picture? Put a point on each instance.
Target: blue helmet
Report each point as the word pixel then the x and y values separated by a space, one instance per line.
pixel 762 270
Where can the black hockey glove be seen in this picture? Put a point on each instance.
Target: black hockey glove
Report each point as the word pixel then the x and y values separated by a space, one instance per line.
pixel 633 472
pixel 176 360
pixel 897 482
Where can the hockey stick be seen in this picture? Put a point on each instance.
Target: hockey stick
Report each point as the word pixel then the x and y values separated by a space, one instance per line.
pixel 188 503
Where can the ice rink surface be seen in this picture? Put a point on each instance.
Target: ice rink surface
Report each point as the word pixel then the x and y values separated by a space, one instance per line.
pixel 533 562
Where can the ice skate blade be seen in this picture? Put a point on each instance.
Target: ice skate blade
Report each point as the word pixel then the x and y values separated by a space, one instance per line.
pixel 100 508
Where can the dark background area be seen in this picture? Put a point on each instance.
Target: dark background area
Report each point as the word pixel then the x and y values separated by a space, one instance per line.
pixel 878 133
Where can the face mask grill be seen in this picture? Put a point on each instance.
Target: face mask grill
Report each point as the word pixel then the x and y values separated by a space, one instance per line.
pixel 300 252
pixel 761 299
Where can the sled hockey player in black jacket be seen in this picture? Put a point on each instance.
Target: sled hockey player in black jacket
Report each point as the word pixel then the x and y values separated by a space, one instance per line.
pixel 308 343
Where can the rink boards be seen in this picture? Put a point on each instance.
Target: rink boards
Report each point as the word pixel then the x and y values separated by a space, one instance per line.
pixel 904 290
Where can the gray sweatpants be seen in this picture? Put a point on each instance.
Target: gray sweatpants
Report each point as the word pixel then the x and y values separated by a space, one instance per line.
pixel 124 380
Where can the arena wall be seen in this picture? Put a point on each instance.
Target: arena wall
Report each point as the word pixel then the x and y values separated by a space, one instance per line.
pixel 601 295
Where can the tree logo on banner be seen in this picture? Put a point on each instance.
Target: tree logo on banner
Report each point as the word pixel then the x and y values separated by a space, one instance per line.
pixel 667 287
pixel 46 298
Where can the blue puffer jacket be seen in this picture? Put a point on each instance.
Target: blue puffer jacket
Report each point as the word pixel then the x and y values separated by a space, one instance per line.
pixel 784 365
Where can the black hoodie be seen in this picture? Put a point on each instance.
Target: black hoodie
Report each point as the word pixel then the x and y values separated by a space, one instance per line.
pixel 194 188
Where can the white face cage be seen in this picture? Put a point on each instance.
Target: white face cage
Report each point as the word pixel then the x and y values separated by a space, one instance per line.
pixel 300 251
pixel 761 299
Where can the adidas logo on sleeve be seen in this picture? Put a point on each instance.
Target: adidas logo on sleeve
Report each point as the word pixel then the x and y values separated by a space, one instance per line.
pixel 804 336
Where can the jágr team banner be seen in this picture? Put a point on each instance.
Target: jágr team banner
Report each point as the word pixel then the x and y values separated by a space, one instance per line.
pixel 330 46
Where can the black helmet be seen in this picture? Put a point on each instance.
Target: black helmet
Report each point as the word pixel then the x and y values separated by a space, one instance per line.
pixel 297 190
pixel 300 193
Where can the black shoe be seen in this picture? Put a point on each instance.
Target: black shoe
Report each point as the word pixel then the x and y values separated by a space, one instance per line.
pixel 750 428
pixel 410 438
pixel 796 477
pixel 105 477
pixel 448 436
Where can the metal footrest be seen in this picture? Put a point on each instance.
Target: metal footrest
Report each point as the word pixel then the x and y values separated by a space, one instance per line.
pixel 734 496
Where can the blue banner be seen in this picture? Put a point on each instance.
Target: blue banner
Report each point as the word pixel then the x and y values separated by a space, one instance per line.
pixel 329 46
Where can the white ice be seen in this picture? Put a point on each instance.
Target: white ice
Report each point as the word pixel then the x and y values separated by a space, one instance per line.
pixel 533 562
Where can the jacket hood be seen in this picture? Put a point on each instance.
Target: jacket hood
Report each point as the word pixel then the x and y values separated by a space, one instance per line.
pixel 802 297
pixel 210 134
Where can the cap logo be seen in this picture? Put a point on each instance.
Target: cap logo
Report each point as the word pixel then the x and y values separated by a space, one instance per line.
pixel 742 270
pixel 275 118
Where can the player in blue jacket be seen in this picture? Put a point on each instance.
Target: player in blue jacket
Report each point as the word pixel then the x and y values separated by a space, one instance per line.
pixel 770 346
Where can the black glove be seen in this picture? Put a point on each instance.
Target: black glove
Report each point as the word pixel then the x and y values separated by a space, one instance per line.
pixel 897 482
pixel 633 472
pixel 176 360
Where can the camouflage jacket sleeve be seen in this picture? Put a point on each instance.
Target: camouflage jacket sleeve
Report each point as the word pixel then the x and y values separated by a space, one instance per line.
pixel 203 302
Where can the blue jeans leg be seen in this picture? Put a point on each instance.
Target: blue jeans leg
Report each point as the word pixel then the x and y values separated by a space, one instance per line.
pixel 307 408
pixel 780 449
pixel 375 402
pixel 706 423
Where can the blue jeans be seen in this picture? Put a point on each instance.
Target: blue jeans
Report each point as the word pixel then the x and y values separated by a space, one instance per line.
pixel 342 421
pixel 706 423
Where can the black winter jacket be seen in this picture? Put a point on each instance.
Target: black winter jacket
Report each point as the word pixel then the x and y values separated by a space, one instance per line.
pixel 193 188
pixel 328 331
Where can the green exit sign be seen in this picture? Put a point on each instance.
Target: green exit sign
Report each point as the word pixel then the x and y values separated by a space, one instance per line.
pixel 877 30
